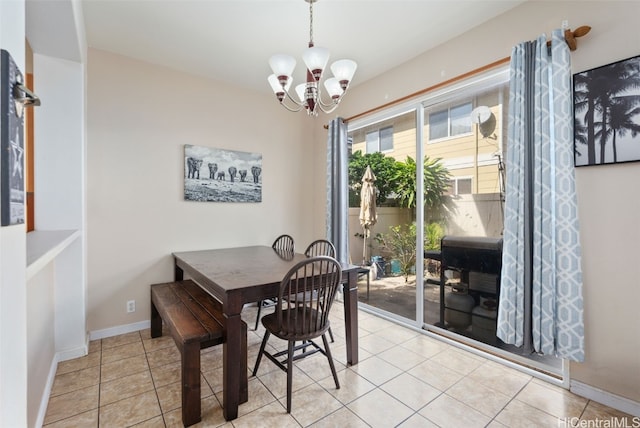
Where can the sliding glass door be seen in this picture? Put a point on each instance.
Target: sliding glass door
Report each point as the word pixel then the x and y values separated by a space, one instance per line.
pixel 440 173
pixel 387 247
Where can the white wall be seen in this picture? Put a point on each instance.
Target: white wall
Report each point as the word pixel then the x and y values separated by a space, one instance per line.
pixel 608 196
pixel 60 188
pixel 32 334
pixel 13 325
pixel 140 116
pixel 40 337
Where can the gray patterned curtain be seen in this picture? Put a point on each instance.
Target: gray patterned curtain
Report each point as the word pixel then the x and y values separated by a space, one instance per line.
pixel 337 189
pixel 541 285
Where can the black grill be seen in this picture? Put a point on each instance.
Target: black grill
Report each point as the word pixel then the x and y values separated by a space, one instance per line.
pixel 478 261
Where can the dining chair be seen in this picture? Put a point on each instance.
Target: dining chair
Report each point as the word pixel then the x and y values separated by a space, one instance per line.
pixel 321 247
pixel 283 245
pixel 306 319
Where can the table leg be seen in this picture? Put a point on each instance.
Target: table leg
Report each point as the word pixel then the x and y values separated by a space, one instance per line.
pixel 178 273
pixel 234 377
pixel 350 297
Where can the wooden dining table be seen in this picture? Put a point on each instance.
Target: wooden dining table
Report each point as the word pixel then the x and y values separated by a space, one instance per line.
pixel 241 275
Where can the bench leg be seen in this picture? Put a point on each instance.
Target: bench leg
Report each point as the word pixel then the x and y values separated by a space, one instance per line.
pixel 156 322
pixel 191 384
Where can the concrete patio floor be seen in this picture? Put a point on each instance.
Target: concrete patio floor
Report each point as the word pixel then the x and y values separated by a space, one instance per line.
pixel 393 294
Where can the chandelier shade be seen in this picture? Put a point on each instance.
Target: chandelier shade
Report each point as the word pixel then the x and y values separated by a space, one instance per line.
pixel 277 87
pixel 343 70
pixel 316 58
pixel 309 95
pixel 333 88
pixel 282 65
pixel 300 92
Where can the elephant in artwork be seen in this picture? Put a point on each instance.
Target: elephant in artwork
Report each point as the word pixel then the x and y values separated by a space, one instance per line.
pixel 221 176
pixel 256 171
pixel 193 166
pixel 243 174
pixel 213 167
pixel 232 173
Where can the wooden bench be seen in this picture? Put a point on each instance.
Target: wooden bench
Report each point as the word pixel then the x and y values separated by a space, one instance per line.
pixel 195 320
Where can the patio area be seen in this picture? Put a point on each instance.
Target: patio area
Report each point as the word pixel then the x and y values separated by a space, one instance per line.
pixel 393 294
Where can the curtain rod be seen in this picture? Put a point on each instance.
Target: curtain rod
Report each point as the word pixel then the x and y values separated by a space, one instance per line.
pixel 569 37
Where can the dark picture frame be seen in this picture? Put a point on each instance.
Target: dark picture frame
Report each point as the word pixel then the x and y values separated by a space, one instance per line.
pixel 219 175
pixel 606 112
pixel 12 156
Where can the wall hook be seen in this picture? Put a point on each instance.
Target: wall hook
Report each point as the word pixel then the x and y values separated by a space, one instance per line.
pixel 24 95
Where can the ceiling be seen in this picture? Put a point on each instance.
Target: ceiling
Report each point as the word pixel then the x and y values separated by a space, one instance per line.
pixel 232 40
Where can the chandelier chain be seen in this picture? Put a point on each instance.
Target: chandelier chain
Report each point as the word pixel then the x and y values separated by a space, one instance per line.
pixel 311 23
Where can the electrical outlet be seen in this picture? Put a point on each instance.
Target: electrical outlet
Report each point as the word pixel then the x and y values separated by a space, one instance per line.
pixel 131 306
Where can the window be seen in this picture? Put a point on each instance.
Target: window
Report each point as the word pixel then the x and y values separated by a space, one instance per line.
pixel 450 122
pixel 461 186
pixel 380 140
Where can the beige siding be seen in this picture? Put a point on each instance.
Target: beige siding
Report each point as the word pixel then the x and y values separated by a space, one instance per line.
pixel 459 154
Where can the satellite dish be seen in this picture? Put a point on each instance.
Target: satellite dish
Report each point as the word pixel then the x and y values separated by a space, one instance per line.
pixel 480 114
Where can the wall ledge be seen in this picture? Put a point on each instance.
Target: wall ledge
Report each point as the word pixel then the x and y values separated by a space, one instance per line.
pixel 44 245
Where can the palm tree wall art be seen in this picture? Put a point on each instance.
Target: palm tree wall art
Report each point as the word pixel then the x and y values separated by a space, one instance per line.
pixel 607 113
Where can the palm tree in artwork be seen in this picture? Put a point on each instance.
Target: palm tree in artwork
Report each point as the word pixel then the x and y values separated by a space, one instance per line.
pixel 580 136
pixel 621 114
pixel 584 100
pixel 624 76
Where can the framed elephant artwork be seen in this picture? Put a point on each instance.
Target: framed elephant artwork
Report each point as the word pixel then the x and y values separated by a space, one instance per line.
pixel 219 175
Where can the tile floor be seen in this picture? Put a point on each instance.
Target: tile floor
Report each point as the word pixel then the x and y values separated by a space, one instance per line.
pixel 404 379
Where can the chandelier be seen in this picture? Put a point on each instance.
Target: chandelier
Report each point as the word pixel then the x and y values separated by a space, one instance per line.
pixel 309 95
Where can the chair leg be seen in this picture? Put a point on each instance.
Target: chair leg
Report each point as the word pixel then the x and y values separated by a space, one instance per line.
pixel 330 332
pixel 262 346
pixel 289 374
pixel 330 358
pixel 258 316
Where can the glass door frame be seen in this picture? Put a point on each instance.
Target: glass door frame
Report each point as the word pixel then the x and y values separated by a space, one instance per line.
pixel 403 109
pixel 485 80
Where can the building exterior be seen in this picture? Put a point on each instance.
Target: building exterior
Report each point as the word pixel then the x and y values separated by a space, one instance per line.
pixel 467 133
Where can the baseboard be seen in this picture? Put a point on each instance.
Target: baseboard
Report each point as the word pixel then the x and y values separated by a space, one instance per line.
pixel 46 394
pixel 69 354
pixel 121 329
pixel 603 397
